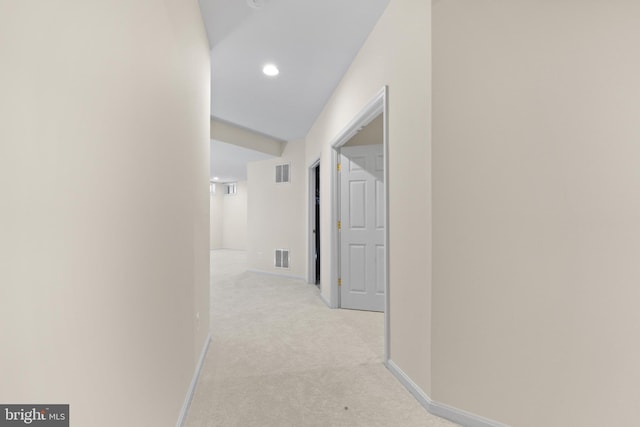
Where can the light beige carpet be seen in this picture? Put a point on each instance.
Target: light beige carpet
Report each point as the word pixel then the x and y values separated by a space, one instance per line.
pixel 280 357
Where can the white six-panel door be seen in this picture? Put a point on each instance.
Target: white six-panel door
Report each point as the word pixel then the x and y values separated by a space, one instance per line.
pixel 362 210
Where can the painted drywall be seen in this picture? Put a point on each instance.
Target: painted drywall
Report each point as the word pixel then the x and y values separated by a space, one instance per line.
pixel 536 234
pixel 228 218
pixel 276 212
pixel 397 54
pixel 234 218
pixel 104 154
pixel 216 218
pixel 237 135
pixel 371 134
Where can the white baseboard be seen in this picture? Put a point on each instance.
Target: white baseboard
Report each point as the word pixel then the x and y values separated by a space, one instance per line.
pixel 271 273
pixel 456 415
pixel 325 300
pixel 194 380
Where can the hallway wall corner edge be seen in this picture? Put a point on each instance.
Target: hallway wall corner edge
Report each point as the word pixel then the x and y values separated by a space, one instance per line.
pixel 182 417
pixel 450 413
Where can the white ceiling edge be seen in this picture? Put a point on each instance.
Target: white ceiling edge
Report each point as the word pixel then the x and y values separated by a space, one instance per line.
pixel 229 162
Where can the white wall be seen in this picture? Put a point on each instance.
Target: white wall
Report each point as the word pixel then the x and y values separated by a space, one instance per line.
pixel 228 218
pixel 216 218
pixel 242 137
pixel 276 214
pixel 397 53
pixel 103 217
pixel 234 218
pixel 536 233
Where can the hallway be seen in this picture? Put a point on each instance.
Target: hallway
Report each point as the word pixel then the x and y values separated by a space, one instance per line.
pixel 280 357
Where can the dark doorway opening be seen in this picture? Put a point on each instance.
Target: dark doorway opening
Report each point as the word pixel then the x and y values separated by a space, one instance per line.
pixel 316 229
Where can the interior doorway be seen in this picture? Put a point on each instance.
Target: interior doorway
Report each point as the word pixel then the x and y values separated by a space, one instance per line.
pixel 375 110
pixel 314 224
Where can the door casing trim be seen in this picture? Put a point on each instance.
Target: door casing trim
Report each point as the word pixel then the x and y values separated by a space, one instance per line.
pixel 378 104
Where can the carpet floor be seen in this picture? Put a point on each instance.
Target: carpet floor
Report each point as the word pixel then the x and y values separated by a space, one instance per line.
pixel 279 357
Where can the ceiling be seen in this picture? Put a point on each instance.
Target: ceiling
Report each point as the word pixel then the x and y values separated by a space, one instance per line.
pixel 311 41
pixel 229 162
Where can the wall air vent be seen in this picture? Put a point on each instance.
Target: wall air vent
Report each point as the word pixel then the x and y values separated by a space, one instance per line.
pixel 282 258
pixel 282 173
pixel 230 189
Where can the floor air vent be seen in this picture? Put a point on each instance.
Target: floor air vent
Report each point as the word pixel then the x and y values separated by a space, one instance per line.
pixel 282 258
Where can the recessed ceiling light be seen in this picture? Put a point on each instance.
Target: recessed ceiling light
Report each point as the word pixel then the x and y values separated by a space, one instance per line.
pixel 270 70
pixel 215 178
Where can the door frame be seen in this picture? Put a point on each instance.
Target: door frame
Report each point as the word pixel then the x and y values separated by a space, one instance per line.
pixel 311 268
pixel 379 104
